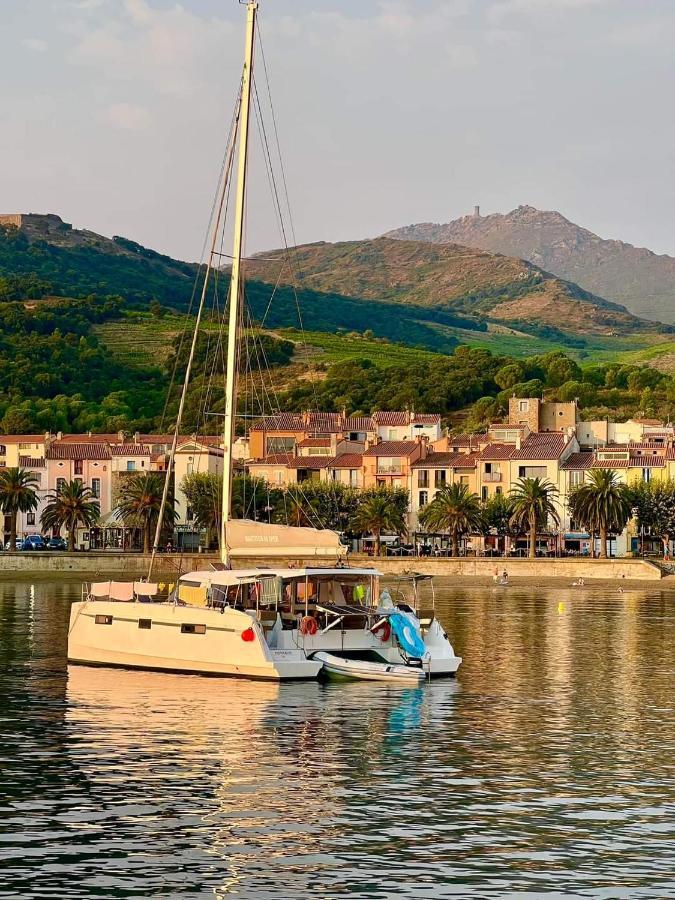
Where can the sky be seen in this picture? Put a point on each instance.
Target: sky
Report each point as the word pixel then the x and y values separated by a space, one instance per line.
pixel 116 112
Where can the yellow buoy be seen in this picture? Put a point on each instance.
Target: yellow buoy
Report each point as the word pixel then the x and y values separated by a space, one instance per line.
pixel 561 607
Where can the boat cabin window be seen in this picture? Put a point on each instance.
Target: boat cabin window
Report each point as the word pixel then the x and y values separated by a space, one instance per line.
pixel 145 623
pixel 103 620
pixel 192 629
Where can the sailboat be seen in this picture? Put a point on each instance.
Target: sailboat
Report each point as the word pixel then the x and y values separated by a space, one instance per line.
pixel 274 623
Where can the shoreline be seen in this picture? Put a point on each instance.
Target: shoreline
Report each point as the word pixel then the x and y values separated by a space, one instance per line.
pixel 475 570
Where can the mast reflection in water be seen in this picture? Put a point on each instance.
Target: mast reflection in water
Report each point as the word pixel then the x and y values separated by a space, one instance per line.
pixel 546 770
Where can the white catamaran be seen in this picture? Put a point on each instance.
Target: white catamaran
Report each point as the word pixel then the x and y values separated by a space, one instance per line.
pixel 274 623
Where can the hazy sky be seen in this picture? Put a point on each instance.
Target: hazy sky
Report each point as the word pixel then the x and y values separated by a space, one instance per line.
pixel 390 112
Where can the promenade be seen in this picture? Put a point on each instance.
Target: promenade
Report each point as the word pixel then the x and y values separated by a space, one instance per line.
pixel 171 564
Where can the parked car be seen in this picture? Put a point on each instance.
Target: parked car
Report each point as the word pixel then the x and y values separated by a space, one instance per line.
pixel 17 544
pixel 57 543
pixel 34 542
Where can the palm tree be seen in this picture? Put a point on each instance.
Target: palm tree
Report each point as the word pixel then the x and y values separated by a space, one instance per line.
pixel 68 506
pixel 17 494
pixel 601 504
pixel 140 502
pixel 455 509
pixel 378 512
pixel 532 501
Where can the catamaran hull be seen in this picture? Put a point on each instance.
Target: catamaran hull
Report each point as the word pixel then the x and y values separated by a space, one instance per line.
pixel 179 639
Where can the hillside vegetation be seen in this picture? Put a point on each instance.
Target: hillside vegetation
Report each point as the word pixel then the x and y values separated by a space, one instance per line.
pixel 641 280
pixel 466 281
pixel 103 360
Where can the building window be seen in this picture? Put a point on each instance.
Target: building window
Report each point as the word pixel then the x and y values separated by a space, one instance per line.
pixel 131 465
pixel 388 464
pixel 423 498
pixel 646 475
pixel 30 518
pixel 96 487
pixel 193 629
pixel 576 478
pixel 280 445
pixel 103 620
pixel 392 434
pixel 423 478
pixel 189 514
pixel 532 472
pixel 78 467
pixel 60 484
pixel 3 450
pixel 353 478
pixel 498 490
pixel 439 478
pixel 523 405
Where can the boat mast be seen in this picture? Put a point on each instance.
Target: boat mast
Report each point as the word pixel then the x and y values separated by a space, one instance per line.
pixel 236 278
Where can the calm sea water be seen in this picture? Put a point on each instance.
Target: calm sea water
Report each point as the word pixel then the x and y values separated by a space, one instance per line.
pixel 546 770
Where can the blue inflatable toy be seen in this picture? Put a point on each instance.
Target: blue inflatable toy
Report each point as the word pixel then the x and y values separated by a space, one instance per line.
pixel 407 631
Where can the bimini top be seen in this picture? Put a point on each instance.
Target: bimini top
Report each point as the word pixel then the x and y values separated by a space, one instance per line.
pixel 229 577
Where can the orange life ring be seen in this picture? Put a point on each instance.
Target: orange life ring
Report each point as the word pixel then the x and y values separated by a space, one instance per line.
pixel 383 631
pixel 308 625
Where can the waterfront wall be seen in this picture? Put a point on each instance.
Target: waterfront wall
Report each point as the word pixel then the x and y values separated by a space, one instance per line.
pixel 169 564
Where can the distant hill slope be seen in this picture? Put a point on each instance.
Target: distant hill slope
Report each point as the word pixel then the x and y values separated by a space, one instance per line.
pixel 447 276
pixel 45 255
pixel 642 281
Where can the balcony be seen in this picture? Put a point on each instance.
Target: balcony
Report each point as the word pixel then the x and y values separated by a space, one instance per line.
pixel 491 477
pixel 388 469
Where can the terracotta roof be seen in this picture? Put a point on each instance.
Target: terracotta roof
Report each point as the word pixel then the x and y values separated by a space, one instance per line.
pixel 508 425
pixel 274 459
pixel 22 438
pixel 582 460
pixel 315 421
pixel 447 461
pixel 315 442
pixel 346 461
pixel 647 462
pixel 309 462
pixel 59 450
pixel 129 450
pixel 359 423
pixel 647 421
pixel 405 417
pixel 498 451
pixel 640 445
pixel 90 438
pixel 610 463
pixel 27 462
pixel 392 448
pixel 465 440
pixel 542 445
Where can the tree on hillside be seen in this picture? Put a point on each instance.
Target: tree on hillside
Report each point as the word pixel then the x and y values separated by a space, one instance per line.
pixel 140 502
pixel 68 506
pixel 455 509
pixel 532 502
pixel 377 512
pixel 601 504
pixel 17 494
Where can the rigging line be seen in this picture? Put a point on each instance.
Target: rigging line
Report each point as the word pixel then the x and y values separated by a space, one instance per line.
pixel 276 133
pixel 275 199
pixel 222 192
pixel 201 266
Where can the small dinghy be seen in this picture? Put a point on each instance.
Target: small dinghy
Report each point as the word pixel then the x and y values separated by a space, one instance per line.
pixel 339 668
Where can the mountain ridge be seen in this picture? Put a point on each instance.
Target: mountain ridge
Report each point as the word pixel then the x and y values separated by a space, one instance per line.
pixel 469 281
pixel 635 277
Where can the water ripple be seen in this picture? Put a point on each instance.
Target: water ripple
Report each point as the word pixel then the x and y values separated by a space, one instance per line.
pixel 545 771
